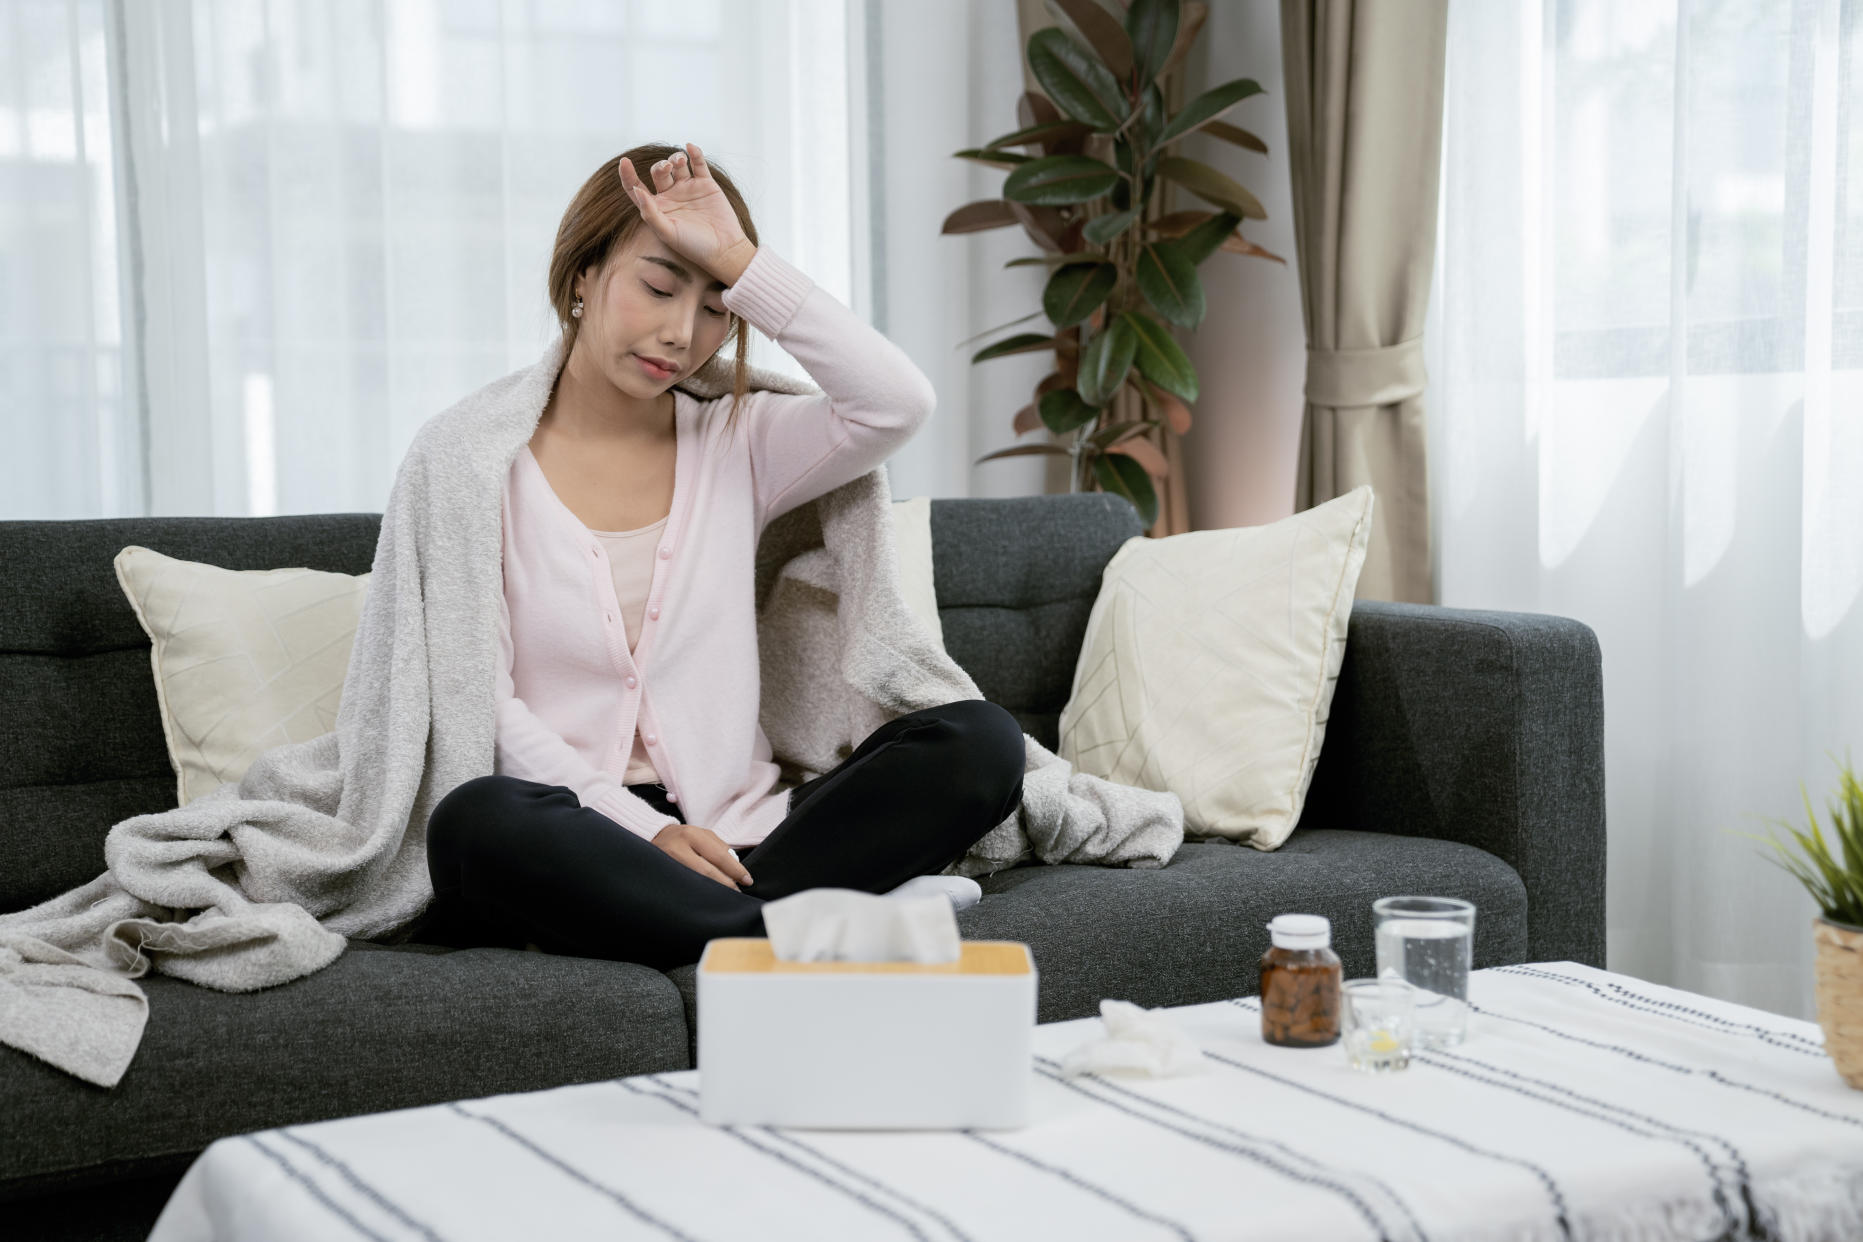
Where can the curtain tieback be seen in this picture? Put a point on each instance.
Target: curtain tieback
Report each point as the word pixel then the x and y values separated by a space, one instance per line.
pixel 1345 378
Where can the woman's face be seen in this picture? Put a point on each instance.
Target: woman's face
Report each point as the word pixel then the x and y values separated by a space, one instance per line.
pixel 650 300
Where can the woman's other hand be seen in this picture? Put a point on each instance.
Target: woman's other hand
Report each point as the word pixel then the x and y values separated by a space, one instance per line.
pixel 702 850
pixel 688 209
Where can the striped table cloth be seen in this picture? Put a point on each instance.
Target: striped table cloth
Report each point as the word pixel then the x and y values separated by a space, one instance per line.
pixel 1584 1105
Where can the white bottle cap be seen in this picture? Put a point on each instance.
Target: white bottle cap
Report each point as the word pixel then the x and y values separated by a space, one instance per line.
pixel 1301 931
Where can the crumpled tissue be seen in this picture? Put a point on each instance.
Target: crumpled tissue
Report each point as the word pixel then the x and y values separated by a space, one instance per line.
pixel 1137 1041
pixel 847 925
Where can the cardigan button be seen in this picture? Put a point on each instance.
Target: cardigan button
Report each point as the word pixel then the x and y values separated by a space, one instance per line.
pixel 651 739
pixel 630 681
pixel 654 612
pixel 665 552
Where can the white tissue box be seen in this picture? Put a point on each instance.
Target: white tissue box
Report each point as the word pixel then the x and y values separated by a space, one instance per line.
pixel 865 1045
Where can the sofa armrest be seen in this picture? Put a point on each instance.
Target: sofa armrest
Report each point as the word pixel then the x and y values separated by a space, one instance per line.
pixel 1485 728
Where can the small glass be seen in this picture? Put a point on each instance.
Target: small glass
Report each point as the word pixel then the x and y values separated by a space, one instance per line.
pixel 1379 1021
pixel 1428 942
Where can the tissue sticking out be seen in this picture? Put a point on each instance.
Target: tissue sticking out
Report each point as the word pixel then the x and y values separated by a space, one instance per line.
pixel 847 925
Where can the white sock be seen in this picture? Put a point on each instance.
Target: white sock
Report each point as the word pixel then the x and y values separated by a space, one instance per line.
pixel 963 891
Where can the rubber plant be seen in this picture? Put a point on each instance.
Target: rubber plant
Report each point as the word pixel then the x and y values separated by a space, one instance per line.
pixel 1096 144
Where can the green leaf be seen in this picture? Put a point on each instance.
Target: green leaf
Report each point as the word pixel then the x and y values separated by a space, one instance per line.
pixel 1074 291
pixel 1205 239
pixel 1232 133
pixel 1209 104
pixel 1123 158
pixel 1098 31
pixel 1056 179
pixel 1026 450
pixel 1113 433
pixel 1122 475
pixel 1105 361
pixel 1102 229
pixel 1062 410
pixel 1047 131
pixel 1152 27
pixel 1161 359
pixel 999 327
pixel 1020 343
pixel 1151 116
pixel 984 155
pixel 1077 82
pixel 1043 260
pixel 988 213
pixel 1169 282
pixel 1206 183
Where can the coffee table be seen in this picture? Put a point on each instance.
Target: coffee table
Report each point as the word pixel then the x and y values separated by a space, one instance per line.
pixel 1585 1104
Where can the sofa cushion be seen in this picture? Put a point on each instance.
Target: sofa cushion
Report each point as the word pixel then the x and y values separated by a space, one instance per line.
pixel 1195 930
pixel 1016 578
pixel 379 1028
pixel 82 733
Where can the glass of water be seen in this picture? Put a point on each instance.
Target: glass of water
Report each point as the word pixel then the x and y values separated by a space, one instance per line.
pixel 1427 941
pixel 1377 1020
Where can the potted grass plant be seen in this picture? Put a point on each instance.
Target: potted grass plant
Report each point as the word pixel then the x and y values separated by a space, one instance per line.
pixel 1831 869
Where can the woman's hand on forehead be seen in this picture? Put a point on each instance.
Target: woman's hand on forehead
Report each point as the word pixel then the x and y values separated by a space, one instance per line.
pixel 687 209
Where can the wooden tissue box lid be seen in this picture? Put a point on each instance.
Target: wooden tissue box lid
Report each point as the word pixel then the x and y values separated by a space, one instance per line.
pixel 753 955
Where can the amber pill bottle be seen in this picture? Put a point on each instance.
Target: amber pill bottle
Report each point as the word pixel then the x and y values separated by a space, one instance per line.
pixel 1300 978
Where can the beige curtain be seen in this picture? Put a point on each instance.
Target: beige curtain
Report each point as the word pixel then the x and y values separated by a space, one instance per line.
pixel 1173 499
pixel 1364 141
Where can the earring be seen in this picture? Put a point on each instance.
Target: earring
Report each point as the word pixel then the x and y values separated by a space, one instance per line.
pixel 575 312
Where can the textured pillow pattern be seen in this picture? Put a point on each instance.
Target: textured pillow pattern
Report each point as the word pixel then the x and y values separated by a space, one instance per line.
pixel 244 660
pixel 1209 662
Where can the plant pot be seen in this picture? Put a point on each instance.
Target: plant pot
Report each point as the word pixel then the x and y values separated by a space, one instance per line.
pixel 1840 994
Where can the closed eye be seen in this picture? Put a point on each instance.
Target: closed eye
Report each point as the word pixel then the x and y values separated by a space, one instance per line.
pixel 658 292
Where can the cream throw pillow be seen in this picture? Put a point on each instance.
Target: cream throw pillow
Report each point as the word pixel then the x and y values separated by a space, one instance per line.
pixel 244 660
pixel 1209 663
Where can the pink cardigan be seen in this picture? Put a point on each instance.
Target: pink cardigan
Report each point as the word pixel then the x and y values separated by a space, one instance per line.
pixel 570 694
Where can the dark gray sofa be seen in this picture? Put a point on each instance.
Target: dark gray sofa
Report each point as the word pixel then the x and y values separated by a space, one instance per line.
pixel 1463 756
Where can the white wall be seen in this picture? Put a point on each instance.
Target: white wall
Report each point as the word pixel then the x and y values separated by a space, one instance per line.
pixel 1250 351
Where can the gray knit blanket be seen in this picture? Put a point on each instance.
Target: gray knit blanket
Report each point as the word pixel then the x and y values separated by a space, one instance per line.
pixel 264 880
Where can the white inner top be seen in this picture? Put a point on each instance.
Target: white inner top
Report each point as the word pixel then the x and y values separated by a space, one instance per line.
pixel 630 558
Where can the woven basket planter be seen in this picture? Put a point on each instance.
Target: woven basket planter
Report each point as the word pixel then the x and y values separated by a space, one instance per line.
pixel 1840 995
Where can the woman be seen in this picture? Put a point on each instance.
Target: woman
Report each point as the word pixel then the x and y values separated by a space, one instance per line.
pixel 635 812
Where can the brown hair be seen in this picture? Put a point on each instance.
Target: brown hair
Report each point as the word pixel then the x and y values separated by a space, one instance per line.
pixel 601 217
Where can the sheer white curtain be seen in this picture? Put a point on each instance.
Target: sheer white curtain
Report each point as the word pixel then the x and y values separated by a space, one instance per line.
pixel 1647 402
pixel 248 246
pixel 71 445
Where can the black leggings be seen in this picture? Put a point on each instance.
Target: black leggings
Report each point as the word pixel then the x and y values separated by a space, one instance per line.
pixel 516 862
